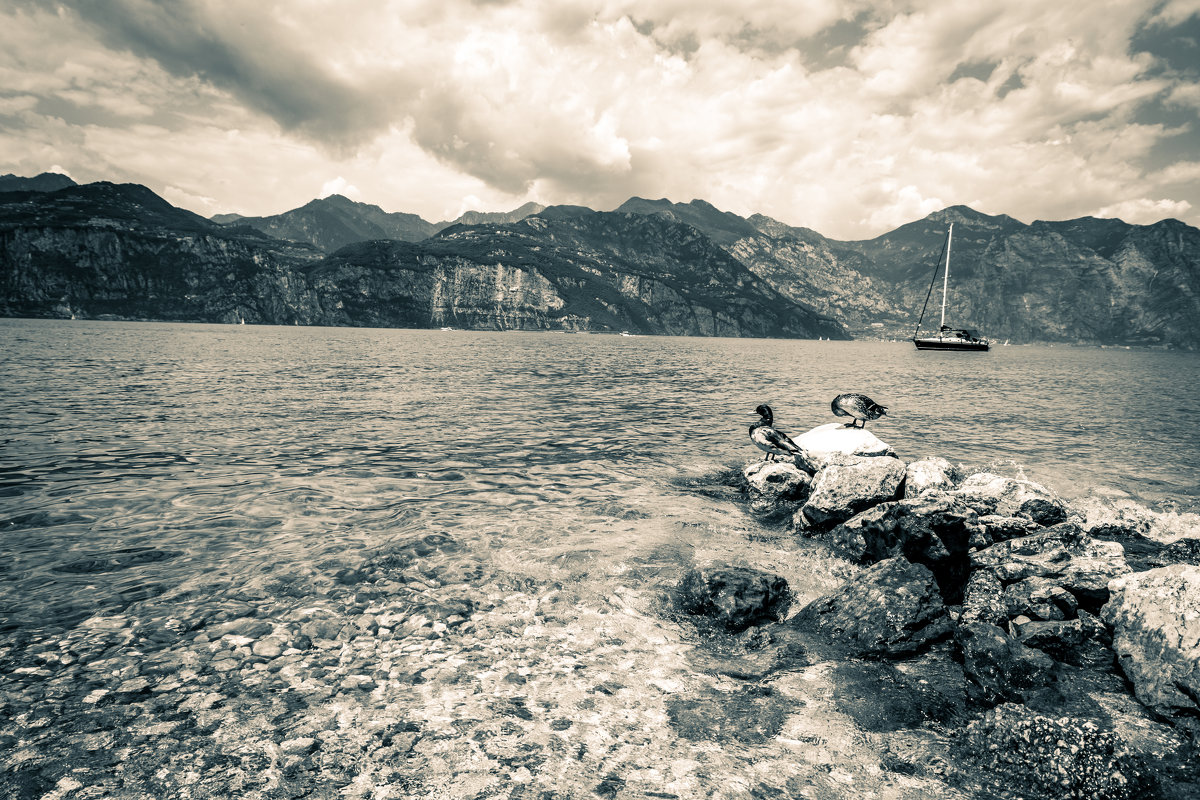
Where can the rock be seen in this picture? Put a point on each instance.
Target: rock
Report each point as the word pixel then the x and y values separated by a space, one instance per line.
pixel 270 647
pixel 1144 553
pixel 133 686
pixel 1056 638
pixel 749 715
pixel 833 439
pixel 983 600
pixel 1000 667
pixel 930 473
pixel 935 530
pixel 242 626
pixel 322 628
pixel 1039 599
pixel 775 487
pixel 299 746
pixel 995 494
pixel 847 485
pixel 1155 616
pixel 363 683
pixel 1027 754
pixel 734 597
pixel 852 536
pixel 891 609
pixel 1065 555
pixel 997 528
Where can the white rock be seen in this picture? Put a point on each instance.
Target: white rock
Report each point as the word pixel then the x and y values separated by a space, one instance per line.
pixel 835 438
pixel 994 494
pixel 776 481
pixel 929 473
pixel 1156 635
pixel 848 485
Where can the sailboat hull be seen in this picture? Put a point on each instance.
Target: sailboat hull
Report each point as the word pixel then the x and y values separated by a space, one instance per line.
pixel 934 343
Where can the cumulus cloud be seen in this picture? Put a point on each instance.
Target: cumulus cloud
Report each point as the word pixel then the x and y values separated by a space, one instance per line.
pixel 1144 210
pixel 339 185
pixel 846 116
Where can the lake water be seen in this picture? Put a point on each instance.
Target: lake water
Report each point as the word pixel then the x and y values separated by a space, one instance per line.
pixel 557 480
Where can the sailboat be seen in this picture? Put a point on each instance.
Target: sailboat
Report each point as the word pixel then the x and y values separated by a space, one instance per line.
pixel 947 338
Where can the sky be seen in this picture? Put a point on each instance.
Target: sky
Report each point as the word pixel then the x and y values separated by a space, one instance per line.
pixel 845 116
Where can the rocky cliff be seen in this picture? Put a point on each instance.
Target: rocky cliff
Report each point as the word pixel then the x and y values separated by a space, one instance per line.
pixel 120 251
pixel 1087 280
pixel 566 268
pixel 1093 281
pixel 652 266
pixel 106 250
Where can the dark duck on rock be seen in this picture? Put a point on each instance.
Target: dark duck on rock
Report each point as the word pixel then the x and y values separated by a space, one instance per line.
pixel 775 442
pixel 858 406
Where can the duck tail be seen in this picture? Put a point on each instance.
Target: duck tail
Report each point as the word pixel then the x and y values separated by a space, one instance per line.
pixel 804 461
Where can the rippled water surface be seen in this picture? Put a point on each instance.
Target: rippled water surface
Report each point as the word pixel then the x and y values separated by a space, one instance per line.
pixel 149 466
pixel 233 450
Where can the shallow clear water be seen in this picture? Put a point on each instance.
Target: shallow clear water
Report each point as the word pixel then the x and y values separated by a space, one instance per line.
pixel 146 466
pixel 246 447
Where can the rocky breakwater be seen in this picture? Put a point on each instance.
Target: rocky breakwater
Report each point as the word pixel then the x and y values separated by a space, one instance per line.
pixel 1039 659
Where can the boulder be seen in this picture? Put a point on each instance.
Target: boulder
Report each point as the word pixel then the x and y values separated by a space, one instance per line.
pixel 998 528
pixel 1009 497
pixel 826 441
pixel 1039 599
pixel 775 487
pixel 927 474
pixel 999 666
pixel 852 536
pixel 734 597
pixel 1155 617
pixel 1063 554
pixel 847 485
pixel 1022 753
pixel 935 530
pixel 1056 638
pixel 983 600
pixel 891 609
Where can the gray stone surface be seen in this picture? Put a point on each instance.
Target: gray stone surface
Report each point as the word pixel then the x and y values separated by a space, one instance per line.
pixel 848 485
pixel 891 609
pixel 1155 617
pixel 1064 555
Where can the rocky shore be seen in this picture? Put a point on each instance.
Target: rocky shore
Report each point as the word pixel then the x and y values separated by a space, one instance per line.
pixel 988 641
pixel 1027 651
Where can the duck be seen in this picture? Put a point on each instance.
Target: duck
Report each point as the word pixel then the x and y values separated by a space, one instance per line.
pixel 858 406
pixel 775 442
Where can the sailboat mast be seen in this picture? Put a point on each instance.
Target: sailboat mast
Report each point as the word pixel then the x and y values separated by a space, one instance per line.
pixel 946 277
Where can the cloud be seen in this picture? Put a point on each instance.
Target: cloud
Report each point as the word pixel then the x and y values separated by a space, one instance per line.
pixel 339 185
pixel 843 116
pixel 1144 210
pixel 251 51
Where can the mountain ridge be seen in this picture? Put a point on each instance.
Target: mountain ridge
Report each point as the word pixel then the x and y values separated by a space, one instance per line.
pixel 1086 280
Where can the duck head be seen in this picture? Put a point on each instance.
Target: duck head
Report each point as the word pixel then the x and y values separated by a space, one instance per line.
pixel 764 411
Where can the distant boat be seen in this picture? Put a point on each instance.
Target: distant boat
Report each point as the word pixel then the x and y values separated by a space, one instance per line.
pixel 946 338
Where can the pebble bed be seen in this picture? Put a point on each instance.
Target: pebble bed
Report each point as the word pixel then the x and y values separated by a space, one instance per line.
pixel 393 680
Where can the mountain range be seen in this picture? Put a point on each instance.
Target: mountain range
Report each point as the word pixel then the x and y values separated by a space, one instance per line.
pixel 650 266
